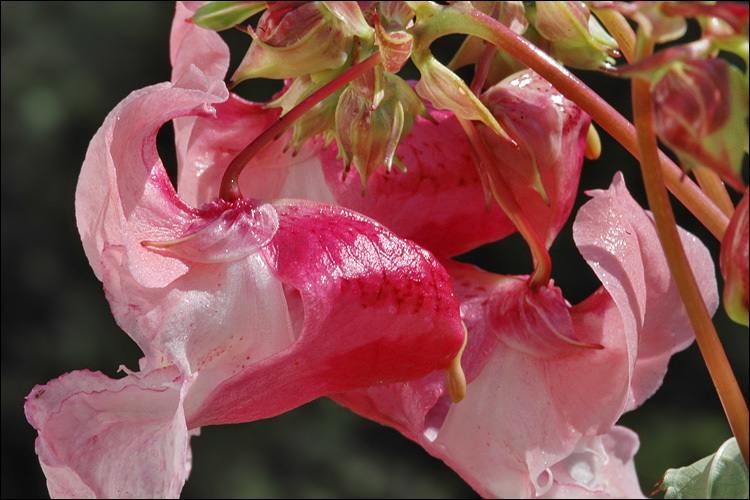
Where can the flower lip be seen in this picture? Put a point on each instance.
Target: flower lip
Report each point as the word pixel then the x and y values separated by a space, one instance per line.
pixel 223 232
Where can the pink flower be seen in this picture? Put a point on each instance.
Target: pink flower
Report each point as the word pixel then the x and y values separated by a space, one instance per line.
pixel 243 310
pixel 547 381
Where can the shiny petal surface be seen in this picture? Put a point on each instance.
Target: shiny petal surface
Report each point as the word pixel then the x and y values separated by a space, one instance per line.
pixel 618 239
pixel 599 467
pixel 365 306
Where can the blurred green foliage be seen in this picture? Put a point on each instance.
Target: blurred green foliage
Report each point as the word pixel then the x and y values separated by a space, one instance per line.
pixel 65 65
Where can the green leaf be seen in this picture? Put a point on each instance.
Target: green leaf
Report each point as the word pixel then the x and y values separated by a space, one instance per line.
pixel 219 16
pixel 721 475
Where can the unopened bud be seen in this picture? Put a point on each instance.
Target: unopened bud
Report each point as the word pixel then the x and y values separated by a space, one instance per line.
pixel 299 38
pixel 700 112
pixel 577 39
pixel 733 261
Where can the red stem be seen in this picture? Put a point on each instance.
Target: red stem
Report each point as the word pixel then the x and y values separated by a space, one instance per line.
pixel 230 189
pixel 716 361
pixel 504 196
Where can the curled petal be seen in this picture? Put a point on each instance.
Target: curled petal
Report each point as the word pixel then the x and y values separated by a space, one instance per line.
pixel 124 195
pixel 537 322
pixel 190 44
pixel 106 438
pixel 226 233
pixel 618 239
pixel 599 467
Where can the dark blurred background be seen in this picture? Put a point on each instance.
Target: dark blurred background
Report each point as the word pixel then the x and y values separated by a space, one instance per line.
pixel 65 65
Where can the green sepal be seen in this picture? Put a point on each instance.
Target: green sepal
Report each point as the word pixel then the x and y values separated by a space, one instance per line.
pixel 220 15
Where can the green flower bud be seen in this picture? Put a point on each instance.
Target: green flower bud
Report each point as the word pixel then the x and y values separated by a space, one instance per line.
pixel 576 37
pixel 220 15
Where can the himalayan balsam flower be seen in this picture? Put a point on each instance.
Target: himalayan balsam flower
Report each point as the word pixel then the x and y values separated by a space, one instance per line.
pixel 637 317
pixel 243 310
pixel 547 380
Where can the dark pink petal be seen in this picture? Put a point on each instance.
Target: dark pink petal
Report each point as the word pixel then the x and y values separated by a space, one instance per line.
pixel 365 307
pixel 106 438
pixel 551 134
pixel 439 201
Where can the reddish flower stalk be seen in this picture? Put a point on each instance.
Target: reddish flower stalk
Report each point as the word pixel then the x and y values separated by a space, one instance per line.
pixel 458 19
pixel 504 196
pixel 230 189
pixel 658 200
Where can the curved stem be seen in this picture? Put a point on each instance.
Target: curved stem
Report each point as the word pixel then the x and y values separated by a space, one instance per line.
pixel 504 196
pixel 230 189
pixel 658 200
pixel 460 19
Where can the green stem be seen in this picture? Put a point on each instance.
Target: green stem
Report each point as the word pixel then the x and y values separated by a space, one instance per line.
pixel 439 21
pixel 230 189
pixel 658 200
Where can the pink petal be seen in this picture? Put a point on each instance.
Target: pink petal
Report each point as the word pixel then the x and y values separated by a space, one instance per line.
pixel 526 411
pixel 212 290
pixel 191 44
pixel 106 438
pixel 619 241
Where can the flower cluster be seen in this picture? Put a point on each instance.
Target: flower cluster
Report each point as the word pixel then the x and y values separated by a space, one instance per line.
pixel 252 291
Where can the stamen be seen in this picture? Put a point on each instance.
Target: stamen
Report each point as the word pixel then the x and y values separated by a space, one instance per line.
pixel 455 377
pixel 593 144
